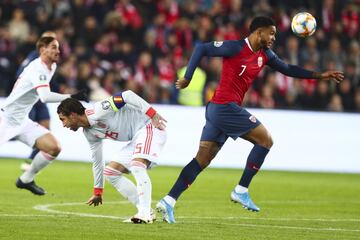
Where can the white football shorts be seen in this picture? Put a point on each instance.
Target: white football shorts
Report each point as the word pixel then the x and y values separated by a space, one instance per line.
pixel 28 132
pixel 147 143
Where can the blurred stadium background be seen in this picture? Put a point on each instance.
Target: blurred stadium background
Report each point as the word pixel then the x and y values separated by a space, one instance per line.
pixel 142 45
pixel 111 45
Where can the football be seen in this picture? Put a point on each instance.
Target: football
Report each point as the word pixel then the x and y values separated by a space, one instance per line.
pixel 303 24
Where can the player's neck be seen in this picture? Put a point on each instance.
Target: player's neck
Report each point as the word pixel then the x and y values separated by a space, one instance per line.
pixel 46 61
pixel 84 122
pixel 255 46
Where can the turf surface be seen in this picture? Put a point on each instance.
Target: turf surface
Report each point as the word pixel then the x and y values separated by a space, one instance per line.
pixel 293 206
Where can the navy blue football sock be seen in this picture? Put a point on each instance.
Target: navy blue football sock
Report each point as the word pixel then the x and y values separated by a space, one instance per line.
pixel 255 160
pixel 185 179
pixel 33 153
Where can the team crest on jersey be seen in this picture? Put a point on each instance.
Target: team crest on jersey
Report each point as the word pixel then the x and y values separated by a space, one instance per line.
pixel 218 43
pixel 42 77
pixel 105 105
pixel 260 61
pixel 252 118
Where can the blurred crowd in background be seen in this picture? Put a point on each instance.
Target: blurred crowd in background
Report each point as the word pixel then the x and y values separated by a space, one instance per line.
pixel 143 45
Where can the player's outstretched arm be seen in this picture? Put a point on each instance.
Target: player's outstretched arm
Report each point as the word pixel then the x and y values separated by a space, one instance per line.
pixel 336 76
pixel 182 83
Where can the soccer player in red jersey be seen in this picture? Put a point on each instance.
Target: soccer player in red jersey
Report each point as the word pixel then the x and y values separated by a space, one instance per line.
pixel 242 62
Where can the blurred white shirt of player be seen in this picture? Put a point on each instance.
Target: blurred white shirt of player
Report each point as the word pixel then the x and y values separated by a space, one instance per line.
pixel 32 85
pixel 125 117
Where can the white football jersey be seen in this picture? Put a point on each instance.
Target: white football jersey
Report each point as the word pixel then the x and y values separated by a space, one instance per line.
pixel 119 126
pixel 24 95
pixel 118 118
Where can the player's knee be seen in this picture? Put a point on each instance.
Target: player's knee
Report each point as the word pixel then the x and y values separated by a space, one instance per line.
pixel 54 150
pixel 268 143
pixel 207 152
pixel 110 173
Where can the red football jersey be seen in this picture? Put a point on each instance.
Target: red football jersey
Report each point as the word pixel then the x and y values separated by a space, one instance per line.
pixel 237 75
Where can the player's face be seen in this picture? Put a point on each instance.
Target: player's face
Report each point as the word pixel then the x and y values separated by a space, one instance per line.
pixel 69 121
pixel 52 51
pixel 267 36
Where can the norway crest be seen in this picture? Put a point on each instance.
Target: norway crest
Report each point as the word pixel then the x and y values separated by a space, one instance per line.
pixel 260 61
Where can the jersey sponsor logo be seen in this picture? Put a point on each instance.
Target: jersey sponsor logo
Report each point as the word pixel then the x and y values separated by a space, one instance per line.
pixel 218 43
pixel 105 104
pixel 42 77
pixel 252 118
pixel 260 61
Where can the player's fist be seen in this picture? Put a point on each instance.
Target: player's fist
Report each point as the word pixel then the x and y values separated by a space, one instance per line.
pixel 95 200
pixel 81 95
pixel 181 83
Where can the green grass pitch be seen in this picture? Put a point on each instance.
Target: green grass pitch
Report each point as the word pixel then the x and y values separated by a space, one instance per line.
pixel 293 206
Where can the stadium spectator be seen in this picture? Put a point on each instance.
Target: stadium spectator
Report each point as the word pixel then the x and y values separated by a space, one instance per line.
pixel 118 32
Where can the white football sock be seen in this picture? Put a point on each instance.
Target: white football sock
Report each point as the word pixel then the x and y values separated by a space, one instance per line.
pixel 40 161
pixel 241 189
pixel 122 184
pixel 144 187
pixel 170 200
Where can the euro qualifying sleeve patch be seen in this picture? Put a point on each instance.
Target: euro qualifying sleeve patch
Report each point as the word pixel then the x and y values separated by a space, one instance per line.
pixel 117 101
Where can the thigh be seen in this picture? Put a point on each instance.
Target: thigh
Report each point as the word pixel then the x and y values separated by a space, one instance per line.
pixel 211 133
pixel 147 144
pixel 259 135
pixel 7 131
pixel 32 131
pixel 47 143
pixel 233 120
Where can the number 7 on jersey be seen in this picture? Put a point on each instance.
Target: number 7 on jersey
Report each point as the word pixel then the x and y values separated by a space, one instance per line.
pixel 243 70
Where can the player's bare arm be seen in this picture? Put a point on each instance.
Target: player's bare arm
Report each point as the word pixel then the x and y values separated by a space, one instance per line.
pixel 95 200
pixel 336 76
pixel 181 83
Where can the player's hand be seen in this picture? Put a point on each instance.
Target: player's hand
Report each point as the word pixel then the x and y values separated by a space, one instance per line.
pixel 95 200
pixel 81 95
pixel 181 83
pixel 337 76
pixel 158 121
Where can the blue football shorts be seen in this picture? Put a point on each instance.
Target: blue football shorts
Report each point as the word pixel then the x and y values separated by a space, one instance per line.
pixel 39 112
pixel 227 120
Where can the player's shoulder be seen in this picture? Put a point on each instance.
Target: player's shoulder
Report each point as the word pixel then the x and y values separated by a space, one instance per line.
pixel 36 64
pixel 270 53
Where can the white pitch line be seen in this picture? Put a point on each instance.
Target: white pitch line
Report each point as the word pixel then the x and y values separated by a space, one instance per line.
pixel 288 227
pixel 47 208
pixel 280 219
pixel 31 215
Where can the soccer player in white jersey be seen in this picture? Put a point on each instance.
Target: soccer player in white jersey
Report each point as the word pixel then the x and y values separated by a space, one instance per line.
pixel 124 117
pixel 32 85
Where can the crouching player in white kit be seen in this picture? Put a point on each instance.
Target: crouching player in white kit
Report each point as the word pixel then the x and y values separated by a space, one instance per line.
pixel 123 117
pixel 32 85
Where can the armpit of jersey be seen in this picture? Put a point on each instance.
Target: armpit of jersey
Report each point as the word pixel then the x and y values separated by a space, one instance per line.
pixel 117 101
